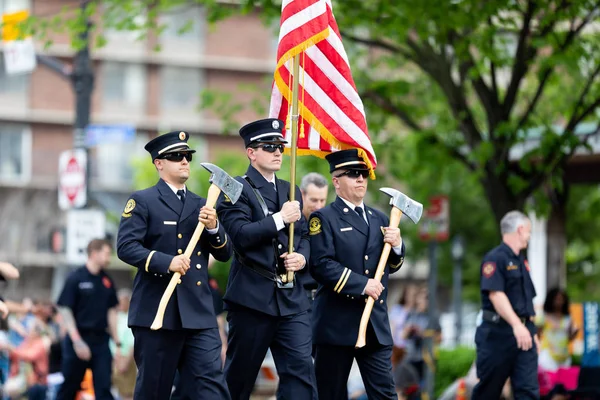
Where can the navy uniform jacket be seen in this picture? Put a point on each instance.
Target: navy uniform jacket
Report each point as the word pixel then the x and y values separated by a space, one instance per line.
pixel 344 255
pixel 252 236
pixel 155 227
pixel 504 271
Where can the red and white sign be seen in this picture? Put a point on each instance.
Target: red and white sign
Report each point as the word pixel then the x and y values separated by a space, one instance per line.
pixel 435 224
pixel 72 179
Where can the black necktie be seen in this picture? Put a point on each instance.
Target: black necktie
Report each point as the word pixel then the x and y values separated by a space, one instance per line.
pixel 274 186
pixel 181 194
pixel 361 214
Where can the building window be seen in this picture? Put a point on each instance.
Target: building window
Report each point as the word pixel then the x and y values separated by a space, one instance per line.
pixel 124 41
pixel 13 85
pixel 184 29
pixel 11 6
pixel 15 153
pixel 14 89
pixel 124 87
pixel 113 167
pixel 180 89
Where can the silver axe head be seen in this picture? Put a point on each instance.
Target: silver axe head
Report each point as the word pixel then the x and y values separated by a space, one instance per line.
pixel 229 186
pixel 412 209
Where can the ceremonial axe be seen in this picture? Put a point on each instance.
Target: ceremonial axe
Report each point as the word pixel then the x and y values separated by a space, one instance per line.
pixel 220 182
pixel 401 204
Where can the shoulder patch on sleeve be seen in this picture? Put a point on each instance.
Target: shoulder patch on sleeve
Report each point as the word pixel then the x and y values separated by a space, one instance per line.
pixel 488 269
pixel 128 208
pixel 314 226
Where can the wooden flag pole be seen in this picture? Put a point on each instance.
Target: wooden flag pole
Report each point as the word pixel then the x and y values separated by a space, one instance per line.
pixel 294 146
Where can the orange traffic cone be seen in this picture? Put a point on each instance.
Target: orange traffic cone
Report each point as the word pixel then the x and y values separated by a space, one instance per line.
pixel 461 390
pixel 87 387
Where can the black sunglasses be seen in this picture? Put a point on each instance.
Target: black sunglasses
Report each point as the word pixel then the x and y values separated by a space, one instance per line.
pixel 271 147
pixel 177 157
pixel 354 173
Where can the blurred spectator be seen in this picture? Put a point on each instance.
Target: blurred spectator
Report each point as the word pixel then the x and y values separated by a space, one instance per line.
pixel 30 370
pixel 55 376
pixel 4 356
pixel 88 304
pixel 556 330
pixel 20 323
pixel 406 380
pixel 559 392
pixel 125 370
pixel 8 271
pixel 417 322
pixel 398 314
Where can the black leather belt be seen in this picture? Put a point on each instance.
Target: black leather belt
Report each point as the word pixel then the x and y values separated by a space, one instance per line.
pixel 491 316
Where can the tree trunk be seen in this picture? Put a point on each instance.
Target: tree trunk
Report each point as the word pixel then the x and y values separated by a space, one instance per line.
pixel 556 271
pixel 498 195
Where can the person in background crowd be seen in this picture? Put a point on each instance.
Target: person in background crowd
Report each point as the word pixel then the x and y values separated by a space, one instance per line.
pixel 125 370
pixel 556 330
pixel 89 309
pixel 406 380
pixel 4 355
pixel 398 314
pixel 32 355
pixel 20 323
pixel 8 271
pixel 55 376
pixel 417 322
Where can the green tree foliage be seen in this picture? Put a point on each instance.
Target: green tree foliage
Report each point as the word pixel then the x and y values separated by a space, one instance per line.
pixel 450 88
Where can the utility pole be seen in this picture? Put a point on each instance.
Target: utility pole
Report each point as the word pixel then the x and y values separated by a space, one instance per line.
pixel 82 79
pixel 457 251
pixel 429 339
pixel 81 76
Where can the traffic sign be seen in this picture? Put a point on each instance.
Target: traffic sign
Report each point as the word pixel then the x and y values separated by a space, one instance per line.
pixel 72 185
pixel 99 134
pixel 435 224
pixel 82 227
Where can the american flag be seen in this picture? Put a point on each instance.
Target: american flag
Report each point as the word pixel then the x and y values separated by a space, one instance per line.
pixel 332 116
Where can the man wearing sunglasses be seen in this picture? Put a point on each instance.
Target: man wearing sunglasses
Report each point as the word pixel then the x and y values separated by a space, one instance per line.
pixel 156 227
pixel 346 240
pixel 264 312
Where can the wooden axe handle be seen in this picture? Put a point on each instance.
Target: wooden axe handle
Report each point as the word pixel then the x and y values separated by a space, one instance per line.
pixel 211 200
pixel 395 216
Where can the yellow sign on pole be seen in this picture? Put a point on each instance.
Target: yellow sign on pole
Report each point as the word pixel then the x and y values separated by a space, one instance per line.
pixel 10 22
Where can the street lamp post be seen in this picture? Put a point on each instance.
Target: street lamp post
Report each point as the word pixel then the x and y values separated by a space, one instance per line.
pixel 458 251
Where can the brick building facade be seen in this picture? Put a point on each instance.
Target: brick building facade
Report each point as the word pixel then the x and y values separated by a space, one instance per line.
pixel 154 92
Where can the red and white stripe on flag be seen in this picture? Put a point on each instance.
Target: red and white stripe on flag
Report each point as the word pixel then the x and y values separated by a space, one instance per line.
pixel 332 116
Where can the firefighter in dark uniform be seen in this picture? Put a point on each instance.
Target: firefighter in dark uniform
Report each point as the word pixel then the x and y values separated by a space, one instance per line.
pixel 264 311
pixel 88 304
pixel 347 239
pixel 156 227
pixel 507 340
